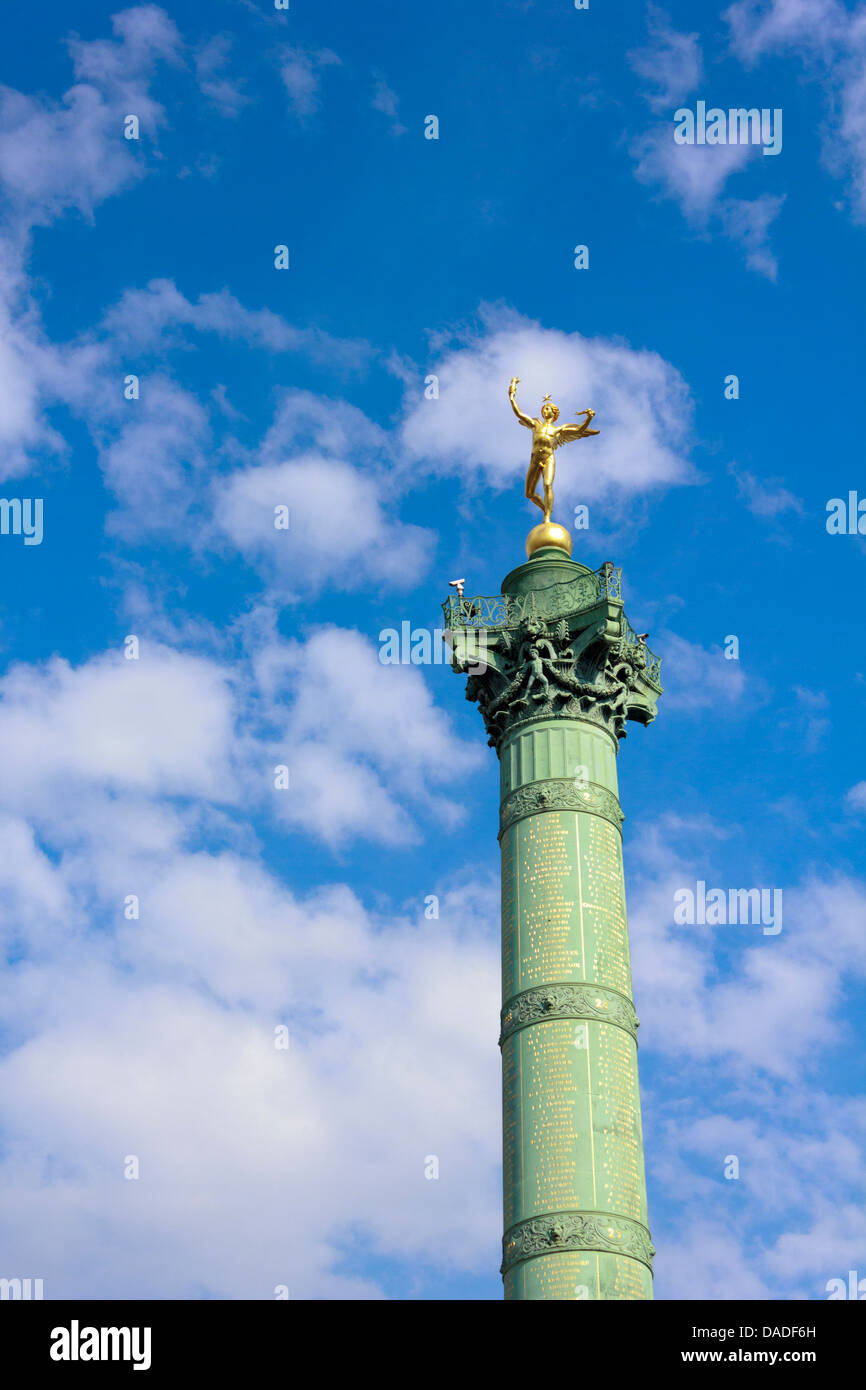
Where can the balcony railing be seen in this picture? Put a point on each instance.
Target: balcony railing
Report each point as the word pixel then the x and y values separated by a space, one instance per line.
pixel 652 671
pixel 505 610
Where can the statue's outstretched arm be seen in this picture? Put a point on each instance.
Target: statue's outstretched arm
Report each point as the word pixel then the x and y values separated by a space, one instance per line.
pixel 526 420
pixel 566 433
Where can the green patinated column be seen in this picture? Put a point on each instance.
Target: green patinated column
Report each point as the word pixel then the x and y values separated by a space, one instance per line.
pixel 557 670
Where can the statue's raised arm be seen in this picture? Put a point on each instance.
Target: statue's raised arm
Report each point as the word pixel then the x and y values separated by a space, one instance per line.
pixel 526 420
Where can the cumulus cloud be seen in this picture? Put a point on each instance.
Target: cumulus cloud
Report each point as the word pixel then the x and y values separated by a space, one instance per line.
pixel 737 1156
pixel 642 405
pixel 154 1034
pixel 830 40
pixel 55 156
pixel 364 740
pixel 338 531
pixel 259 1166
pixel 366 745
pixel 22 424
pixel 797 1152
pixel 151 461
pixel 744 1014
pixel 739 1032
pixel 160 724
pixel 695 176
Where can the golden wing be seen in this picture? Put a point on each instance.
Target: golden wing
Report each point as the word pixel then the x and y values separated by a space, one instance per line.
pixel 566 433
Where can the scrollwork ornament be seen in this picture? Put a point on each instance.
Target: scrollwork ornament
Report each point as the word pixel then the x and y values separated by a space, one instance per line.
pixel 576 1230
pixel 568 1001
pixel 560 794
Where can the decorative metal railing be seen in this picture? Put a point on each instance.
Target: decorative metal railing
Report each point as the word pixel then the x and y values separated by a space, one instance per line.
pixel 476 612
pixel 652 671
pixel 610 581
pixel 505 610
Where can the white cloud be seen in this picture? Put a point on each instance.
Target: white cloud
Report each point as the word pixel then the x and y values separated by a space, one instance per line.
pixel 766 497
pixel 258 1166
pixel 300 71
pixel 709 1262
pixel 743 1015
pixel 159 725
pixel 642 405
pixel 798 1151
pixel 671 61
pixel 363 740
pixel 152 319
pixel 22 426
pixel 144 35
pixel 339 798
pixel 385 100
pixel 366 745
pixel 339 530
pixel 699 678
pixel 831 42
pixel 151 463
pixel 828 1244
pixel 72 154
pixel 758 27
pixel 695 176
pixel 225 93
pixel 748 221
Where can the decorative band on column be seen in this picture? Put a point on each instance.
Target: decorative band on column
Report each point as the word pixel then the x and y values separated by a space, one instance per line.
pixel 583 1001
pixel 560 794
pixel 576 1230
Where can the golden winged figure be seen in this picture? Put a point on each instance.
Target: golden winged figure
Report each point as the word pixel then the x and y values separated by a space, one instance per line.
pixel 547 437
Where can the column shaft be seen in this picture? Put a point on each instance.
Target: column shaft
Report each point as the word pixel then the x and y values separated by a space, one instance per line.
pixel 575 1212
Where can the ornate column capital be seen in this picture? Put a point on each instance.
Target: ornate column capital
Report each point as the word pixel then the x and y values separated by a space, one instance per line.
pixel 562 649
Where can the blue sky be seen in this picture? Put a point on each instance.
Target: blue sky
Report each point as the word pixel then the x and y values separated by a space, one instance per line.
pixel 154 1037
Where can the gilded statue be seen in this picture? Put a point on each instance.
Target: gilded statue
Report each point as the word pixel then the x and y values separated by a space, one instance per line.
pixel 547 437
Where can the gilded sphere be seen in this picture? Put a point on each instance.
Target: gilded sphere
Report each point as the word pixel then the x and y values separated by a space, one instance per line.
pixel 548 533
